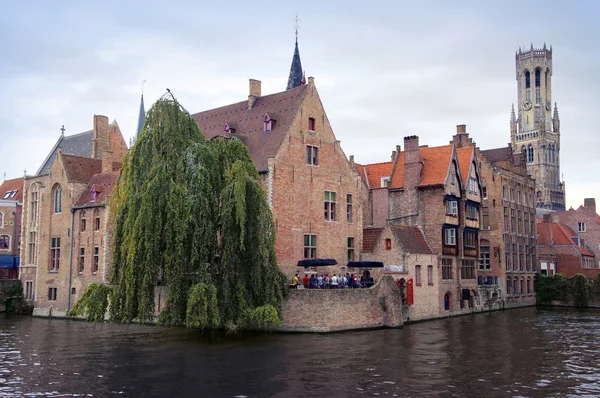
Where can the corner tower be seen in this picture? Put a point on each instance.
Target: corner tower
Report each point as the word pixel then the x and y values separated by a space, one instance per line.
pixel 536 132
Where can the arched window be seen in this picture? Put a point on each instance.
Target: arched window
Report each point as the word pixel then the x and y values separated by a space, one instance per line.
pixel 522 286
pixel 430 275
pixel 447 301
pixel 58 199
pixel 530 153
pixel 515 286
pixel 527 79
pixel 538 73
pixel 528 285
pixel 33 202
pixel 418 275
pixel 508 281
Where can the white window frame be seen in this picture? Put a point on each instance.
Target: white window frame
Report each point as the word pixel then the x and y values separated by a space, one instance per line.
pixel 384 181
pixel 452 207
pixel 450 236
pixel 580 226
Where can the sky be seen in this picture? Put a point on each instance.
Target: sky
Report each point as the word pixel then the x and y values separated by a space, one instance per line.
pixel 384 70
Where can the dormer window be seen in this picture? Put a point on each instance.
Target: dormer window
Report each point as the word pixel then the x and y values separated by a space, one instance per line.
pixel 95 192
pixel 268 123
pixel 384 181
pixel 229 128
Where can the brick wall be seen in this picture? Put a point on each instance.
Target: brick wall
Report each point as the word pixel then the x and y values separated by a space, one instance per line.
pixel 585 214
pixel 328 310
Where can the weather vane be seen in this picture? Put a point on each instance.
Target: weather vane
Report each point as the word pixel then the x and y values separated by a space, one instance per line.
pixel 296 27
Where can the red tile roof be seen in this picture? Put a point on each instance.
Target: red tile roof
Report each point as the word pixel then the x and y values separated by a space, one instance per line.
pixel 370 238
pixel 436 161
pixel 81 169
pixel 103 184
pixel 559 234
pixel 15 184
pixel 464 155
pixel 372 173
pixel 411 239
pixel 282 108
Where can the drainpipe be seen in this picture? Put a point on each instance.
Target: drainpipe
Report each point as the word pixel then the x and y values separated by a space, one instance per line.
pixel 70 258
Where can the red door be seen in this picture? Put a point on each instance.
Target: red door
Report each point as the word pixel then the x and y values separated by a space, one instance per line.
pixel 410 293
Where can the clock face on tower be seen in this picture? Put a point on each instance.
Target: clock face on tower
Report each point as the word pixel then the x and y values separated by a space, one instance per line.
pixel 548 105
pixel 527 105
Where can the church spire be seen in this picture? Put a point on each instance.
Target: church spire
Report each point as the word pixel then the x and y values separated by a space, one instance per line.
pixel 295 78
pixel 141 117
pixel 513 118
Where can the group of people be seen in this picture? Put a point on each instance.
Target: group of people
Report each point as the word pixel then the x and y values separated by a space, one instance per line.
pixel 325 281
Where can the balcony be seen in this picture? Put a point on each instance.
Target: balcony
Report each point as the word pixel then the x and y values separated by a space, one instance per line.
pixel 487 280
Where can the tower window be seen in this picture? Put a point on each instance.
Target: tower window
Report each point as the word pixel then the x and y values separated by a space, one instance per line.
pixel 538 96
pixel 538 72
pixel 527 79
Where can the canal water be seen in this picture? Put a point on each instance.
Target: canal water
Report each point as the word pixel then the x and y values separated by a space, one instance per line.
pixel 527 352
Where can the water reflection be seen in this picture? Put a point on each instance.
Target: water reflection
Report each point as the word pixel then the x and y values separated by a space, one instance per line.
pixel 524 352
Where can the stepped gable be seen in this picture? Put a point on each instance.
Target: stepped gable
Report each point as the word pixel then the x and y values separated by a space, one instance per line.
pixel 370 238
pixel 81 169
pixel 77 144
pixel 15 184
pixel 281 107
pixel 103 184
pixel 411 239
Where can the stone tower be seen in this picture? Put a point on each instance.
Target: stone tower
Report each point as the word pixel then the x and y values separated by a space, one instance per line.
pixel 536 131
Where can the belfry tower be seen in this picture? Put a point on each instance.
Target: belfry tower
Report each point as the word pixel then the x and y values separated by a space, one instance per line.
pixel 535 131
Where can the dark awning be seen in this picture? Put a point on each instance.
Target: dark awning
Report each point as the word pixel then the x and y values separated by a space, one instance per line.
pixel 365 264
pixel 317 262
pixel 7 261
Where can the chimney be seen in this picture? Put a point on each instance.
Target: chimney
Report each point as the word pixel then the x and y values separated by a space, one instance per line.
pixel 254 92
pixel 461 129
pixel 590 203
pixel 107 163
pixel 100 141
pixel 311 81
pixel 547 218
pixel 412 162
pixel 352 159
pixel 393 155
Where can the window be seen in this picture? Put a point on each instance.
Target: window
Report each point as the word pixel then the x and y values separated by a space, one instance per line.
pixel 81 260
pixel 522 286
pixel 1 219
pixel 485 218
pixel 350 248
pixel 430 275
pixel 310 246
pixel 526 223
pixel 580 227
pixel 96 258
pixel 506 253
pixel 512 194
pixel 97 223
pixel 267 123
pixel 537 77
pixel 484 256
pixel 4 241
pixel 527 262
pixel 82 224
pixel 467 271
pixel 418 275
pixel 527 79
pixel 29 290
pixel 52 294
pixel 73 290
pixel 520 222
pixel 524 199
pixel 311 123
pixel 484 192
pixel 93 194
pixel 447 268
pixel 528 98
pixel 329 206
pixel 470 239
pixel 519 197
pixel 521 257
pixel 512 220
pixel 530 154
pixel 453 177
pixel 473 185
pixel 506 219
pixel 349 208
pixel 528 286
pixel 471 212
pixel 33 203
pixel 514 256
pixel 450 236
pixel 388 244
pixel 451 208
pixel 504 196
pixel 31 254
pixel 58 199
pixel 384 181
pixel 55 254
pixel 312 155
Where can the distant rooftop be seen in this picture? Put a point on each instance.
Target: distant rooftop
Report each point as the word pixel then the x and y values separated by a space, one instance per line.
pixel 77 145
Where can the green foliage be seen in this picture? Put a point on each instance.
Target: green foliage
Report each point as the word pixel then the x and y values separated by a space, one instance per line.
pixel 191 213
pixel 93 303
pixel 558 288
pixel 264 317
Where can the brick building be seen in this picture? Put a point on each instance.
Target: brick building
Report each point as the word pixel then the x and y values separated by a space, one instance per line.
pixel 507 257
pixel 11 206
pixel 586 222
pixel 56 201
pixel 438 191
pixel 562 250
pixel 311 187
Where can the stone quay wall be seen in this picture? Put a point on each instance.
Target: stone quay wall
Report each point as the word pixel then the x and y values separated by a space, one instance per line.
pixel 331 310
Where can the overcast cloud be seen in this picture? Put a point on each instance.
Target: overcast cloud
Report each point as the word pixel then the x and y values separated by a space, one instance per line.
pixel 384 70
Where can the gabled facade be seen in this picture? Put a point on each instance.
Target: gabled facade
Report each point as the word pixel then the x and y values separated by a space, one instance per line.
pixel 312 189
pixel 48 255
pixel 11 206
pixel 508 239
pixel 438 190
pixel 586 222
pixel 563 251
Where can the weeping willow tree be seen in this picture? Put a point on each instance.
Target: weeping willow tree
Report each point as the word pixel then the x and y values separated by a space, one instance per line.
pixel 190 213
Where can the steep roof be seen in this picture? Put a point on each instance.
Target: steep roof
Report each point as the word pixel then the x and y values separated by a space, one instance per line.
pixel 370 238
pixel 81 169
pixel 296 72
pixel 553 233
pixel 103 184
pixel 77 144
pixel 372 173
pixel 497 154
pixel 464 155
pixel 281 107
pixel 14 188
pixel 435 164
pixel 411 239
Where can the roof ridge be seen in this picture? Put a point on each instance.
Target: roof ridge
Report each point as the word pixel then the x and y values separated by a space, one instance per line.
pixel 77 134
